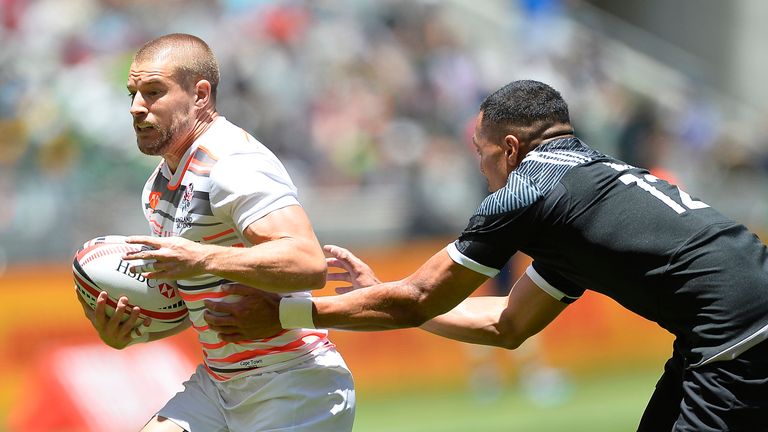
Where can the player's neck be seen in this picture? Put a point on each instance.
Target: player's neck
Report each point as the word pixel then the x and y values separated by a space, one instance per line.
pixel 555 132
pixel 177 150
pixel 559 131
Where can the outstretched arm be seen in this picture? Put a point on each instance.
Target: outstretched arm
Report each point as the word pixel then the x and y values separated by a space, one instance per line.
pixel 499 321
pixel 494 320
pixel 435 287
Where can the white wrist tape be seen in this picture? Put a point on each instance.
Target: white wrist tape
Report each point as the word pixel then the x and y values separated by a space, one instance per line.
pixel 296 312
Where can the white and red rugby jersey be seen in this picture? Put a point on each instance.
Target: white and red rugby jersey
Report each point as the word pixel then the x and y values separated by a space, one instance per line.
pixel 225 181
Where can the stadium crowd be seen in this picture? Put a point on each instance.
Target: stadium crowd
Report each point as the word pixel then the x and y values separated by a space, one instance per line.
pixel 355 96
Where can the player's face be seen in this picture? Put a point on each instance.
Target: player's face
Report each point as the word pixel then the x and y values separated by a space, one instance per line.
pixel 493 159
pixel 162 110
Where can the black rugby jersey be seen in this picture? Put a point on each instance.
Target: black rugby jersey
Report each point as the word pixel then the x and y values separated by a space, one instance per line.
pixel 592 222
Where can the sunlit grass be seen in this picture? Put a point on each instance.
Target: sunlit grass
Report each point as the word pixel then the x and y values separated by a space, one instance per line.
pixel 605 403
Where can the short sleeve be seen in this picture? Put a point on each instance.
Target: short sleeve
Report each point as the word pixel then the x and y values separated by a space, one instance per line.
pixel 554 283
pixel 502 224
pixel 460 258
pixel 247 187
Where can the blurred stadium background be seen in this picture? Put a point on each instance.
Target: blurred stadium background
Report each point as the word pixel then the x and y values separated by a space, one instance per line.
pixel 369 104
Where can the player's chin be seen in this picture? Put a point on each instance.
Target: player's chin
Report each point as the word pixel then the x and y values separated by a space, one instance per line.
pixel 150 147
pixel 149 151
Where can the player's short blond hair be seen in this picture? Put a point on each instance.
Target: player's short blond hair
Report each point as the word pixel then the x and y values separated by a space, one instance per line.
pixel 191 57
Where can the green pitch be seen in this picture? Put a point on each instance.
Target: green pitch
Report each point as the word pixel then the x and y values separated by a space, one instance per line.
pixel 609 402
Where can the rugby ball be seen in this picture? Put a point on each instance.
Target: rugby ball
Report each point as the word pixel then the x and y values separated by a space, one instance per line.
pixel 98 266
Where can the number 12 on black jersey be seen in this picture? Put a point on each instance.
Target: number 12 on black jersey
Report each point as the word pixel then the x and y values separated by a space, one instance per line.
pixel 644 183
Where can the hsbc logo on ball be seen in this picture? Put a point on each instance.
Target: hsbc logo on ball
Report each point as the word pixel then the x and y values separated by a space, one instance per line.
pixel 167 290
pixel 124 268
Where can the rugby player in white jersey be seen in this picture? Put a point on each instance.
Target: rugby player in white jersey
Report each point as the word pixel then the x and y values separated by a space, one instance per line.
pixel 223 209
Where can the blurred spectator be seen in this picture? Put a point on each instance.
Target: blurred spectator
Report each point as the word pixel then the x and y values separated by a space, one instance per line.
pixel 637 141
pixel 349 93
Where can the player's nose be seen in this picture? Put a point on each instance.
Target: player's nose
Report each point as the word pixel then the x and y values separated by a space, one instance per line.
pixel 138 107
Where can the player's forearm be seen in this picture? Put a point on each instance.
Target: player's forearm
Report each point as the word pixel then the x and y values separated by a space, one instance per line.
pixel 475 320
pixel 391 305
pixel 283 265
pixel 435 288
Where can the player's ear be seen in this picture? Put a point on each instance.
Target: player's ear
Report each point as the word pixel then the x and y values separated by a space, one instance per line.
pixel 202 93
pixel 511 149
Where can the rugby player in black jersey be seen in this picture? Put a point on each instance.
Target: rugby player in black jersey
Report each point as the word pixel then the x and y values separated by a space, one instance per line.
pixel 589 221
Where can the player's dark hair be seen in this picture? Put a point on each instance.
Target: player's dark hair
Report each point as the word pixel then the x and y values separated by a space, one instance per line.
pixel 523 103
pixel 191 57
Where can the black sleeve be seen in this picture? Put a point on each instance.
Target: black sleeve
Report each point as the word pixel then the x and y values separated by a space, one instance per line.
pixel 501 224
pixel 555 284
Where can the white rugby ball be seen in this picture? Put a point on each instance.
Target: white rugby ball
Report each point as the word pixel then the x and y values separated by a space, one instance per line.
pixel 98 266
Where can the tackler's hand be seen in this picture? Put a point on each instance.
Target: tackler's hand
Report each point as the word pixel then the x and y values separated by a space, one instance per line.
pixel 356 271
pixel 255 315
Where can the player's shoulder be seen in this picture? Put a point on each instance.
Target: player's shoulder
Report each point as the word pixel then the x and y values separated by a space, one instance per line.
pixel 223 139
pixel 559 155
pixel 539 173
pixel 546 165
pixel 227 146
pixel 519 192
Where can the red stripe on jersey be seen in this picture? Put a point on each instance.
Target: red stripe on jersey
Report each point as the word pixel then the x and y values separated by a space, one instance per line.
pixel 201 328
pixel 187 166
pixel 201 163
pixel 201 296
pixel 222 343
pixel 213 345
pixel 181 176
pixel 207 152
pixel 214 374
pixel 245 355
pixel 198 171
pixel 215 236
pixel 156 227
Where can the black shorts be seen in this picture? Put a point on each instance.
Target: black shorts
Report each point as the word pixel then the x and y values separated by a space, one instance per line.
pixel 722 396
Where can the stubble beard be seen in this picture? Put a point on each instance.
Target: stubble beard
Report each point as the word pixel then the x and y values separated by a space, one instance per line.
pixel 165 141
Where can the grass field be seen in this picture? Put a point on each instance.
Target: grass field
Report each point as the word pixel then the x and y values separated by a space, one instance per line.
pixel 613 401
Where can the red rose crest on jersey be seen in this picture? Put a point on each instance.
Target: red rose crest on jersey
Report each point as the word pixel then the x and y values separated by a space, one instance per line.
pixel 186 200
pixel 154 199
pixel 167 290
